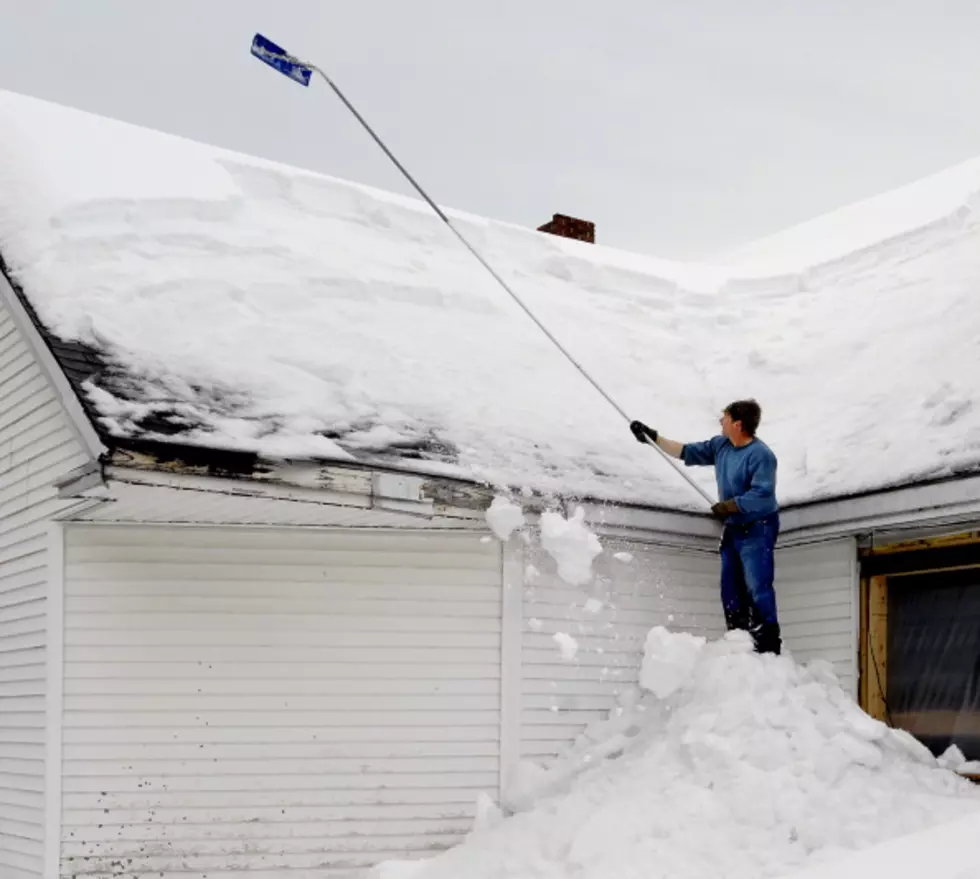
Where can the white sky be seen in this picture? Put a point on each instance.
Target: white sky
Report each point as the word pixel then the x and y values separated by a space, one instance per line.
pixel 681 127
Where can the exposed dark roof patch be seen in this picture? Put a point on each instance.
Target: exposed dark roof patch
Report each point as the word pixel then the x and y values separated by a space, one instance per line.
pixel 429 448
pixel 215 462
pixel 169 420
pixel 79 362
pixel 165 423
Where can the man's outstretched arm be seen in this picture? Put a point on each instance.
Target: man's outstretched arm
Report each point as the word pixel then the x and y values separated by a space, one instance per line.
pixel 644 434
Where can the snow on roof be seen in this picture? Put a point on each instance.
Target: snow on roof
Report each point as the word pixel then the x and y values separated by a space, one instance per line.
pixel 931 204
pixel 239 303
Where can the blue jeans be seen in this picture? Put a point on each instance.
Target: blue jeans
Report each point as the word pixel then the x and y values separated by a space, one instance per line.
pixel 747 572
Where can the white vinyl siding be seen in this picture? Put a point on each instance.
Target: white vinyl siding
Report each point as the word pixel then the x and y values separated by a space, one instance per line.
pixel 275 702
pixel 659 586
pixel 37 447
pixel 816 591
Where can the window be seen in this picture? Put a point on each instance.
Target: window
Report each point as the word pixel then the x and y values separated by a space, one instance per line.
pixel 933 689
pixel 920 641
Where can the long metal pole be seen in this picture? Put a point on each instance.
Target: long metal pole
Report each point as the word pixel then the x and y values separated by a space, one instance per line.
pixel 442 216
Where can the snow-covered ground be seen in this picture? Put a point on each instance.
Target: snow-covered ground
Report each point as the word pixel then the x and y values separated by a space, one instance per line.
pixel 947 851
pixel 261 307
pixel 725 765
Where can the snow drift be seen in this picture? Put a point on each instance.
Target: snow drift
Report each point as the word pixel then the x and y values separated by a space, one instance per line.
pixel 947 851
pixel 744 766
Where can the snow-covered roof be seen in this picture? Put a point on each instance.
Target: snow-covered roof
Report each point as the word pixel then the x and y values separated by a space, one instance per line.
pixel 239 303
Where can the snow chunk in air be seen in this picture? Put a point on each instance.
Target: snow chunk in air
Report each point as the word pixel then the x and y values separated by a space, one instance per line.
pixel 571 544
pixel 567 644
pixel 504 517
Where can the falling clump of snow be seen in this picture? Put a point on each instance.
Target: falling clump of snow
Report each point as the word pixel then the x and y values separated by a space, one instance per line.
pixel 571 544
pixel 745 767
pixel 567 644
pixel 624 557
pixel 504 517
pixel 593 605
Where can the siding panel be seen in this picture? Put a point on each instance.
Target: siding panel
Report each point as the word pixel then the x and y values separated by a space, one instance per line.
pixel 815 591
pixel 275 701
pixel 657 586
pixel 37 448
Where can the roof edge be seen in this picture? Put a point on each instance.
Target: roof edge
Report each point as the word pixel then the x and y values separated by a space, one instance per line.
pixel 427 498
pixel 36 338
pixel 951 502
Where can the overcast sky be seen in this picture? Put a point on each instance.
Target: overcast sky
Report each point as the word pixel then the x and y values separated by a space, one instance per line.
pixel 681 127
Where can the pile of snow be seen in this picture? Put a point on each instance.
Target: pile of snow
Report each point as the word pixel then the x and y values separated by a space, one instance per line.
pixel 241 303
pixel 954 758
pixel 948 851
pixel 743 767
pixel 669 660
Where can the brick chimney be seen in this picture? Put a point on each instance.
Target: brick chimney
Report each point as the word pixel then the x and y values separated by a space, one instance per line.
pixel 570 227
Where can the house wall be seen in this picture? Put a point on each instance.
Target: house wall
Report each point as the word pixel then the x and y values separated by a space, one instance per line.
pixel 817 595
pixel 37 447
pixel 272 699
pixel 266 700
pixel 316 700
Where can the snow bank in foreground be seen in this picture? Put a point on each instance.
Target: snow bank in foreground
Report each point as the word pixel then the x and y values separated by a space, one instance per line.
pixel 749 766
pixel 949 851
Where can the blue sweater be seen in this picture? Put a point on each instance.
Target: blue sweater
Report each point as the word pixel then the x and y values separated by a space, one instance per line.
pixel 746 474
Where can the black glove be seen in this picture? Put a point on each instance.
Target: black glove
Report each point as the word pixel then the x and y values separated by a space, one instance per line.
pixel 724 509
pixel 642 432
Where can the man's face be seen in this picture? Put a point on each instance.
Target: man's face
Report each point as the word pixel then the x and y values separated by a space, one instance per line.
pixel 729 429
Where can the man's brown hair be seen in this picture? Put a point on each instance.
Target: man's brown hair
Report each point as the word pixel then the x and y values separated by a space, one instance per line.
pixel 748 412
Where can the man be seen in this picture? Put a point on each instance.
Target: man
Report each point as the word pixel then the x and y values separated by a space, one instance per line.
pixel 745 469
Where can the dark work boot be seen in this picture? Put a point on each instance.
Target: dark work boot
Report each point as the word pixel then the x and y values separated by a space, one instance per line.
pixel 736 619
pixel 767 638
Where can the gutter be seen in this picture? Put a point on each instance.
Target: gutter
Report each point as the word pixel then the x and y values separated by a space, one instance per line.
pixel 939 504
